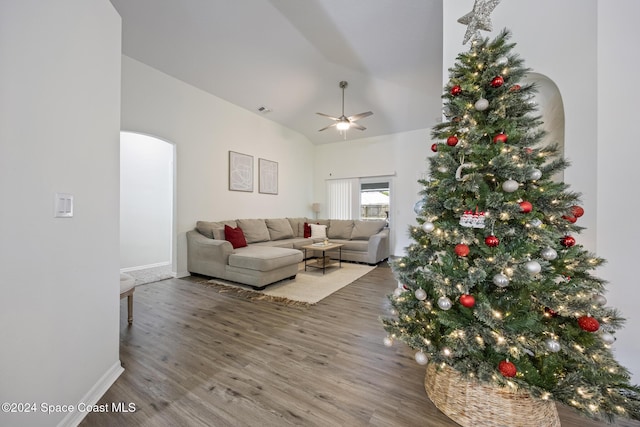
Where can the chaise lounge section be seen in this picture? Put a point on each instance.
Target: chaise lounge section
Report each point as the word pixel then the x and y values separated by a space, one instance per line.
pixel 273 246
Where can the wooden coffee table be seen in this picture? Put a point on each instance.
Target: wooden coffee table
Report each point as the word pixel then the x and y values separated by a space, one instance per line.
pixel 324 261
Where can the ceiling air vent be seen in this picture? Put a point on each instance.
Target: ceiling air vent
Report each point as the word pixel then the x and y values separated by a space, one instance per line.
pixel 264 110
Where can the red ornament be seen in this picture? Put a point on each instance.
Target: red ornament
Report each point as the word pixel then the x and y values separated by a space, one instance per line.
pixel 570 218
pixel 434 147
pixel 497 81
pixel 452 140
pixel 528 150
pixel 462 249
pixel 515 88
pixel 491 241
pixel 501 137
pixel 507 369
pixel 577 211
pixel 526 207
pixel 467 300
pixel 588 323
pixel 456 90
pixel 567 241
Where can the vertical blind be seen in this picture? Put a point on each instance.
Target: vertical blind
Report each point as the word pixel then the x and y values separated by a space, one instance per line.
pixel 343 198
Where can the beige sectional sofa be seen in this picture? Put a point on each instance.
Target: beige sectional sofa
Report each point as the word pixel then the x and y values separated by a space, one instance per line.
pixel 274 245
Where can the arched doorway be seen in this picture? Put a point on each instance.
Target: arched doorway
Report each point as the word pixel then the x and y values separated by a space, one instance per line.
pixel 551 108
pixel 147 219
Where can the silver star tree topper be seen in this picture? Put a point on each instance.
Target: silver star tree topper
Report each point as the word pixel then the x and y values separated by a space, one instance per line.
pixel 478 19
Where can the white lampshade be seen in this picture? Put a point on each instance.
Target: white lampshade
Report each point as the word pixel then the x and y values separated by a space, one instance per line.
pixel 315 207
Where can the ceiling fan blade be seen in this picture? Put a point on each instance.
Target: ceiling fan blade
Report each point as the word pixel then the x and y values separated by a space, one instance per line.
pixel 360 116
pixel 357 126
pixel 327 127
pixel 326 115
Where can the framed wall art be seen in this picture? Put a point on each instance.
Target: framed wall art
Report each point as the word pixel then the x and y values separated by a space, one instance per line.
pixel 240 172
pixel 267 176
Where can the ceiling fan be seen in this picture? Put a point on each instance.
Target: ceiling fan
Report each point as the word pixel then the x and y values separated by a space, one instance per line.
pixel 344 123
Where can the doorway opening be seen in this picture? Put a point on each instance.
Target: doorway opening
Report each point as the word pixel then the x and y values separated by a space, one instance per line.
pixel 375 200
pixel 147 207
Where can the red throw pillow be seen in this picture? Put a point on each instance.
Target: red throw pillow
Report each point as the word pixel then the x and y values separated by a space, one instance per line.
pixel 235 236
pixel 307 230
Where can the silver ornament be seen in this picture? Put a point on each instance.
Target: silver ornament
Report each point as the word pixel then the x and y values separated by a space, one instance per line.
pixel 607 338
pixel 535 174
pixel 599 299
pixel 444 303
pixel 421 358
pixel 417 208
pixel 420 294
pixel 502 60
pixel 388 342
pixel 533 267
pixel 549 254
pixel 510 185
pixel 500 280
pixel 428 227
pixel 552 345
pixel 397 292
pixel 537 223
pixel 481 104
pixel 442 169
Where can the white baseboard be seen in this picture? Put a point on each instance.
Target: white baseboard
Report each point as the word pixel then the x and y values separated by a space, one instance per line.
pixel 72 419
pixel 144 267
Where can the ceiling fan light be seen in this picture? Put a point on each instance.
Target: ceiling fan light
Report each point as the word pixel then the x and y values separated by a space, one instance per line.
pixel 343 125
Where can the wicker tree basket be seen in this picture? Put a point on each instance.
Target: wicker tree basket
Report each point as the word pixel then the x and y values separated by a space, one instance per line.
pixel 470 403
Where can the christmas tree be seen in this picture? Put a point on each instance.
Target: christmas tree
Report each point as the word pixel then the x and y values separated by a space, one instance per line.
pixel 495 284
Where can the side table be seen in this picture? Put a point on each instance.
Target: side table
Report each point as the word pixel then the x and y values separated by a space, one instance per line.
pixel 324 261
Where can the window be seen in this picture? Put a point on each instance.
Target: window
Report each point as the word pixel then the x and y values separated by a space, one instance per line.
pixel 374 200
pixel 358 198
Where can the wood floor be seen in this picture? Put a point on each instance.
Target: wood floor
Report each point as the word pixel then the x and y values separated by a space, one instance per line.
pixel 196 357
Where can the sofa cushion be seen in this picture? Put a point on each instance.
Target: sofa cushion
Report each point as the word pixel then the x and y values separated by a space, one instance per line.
pixel 279 228
pixel 354 245
pixel 206 228
pixel 306 230
pixel 318 231
pixel 255 230
pixel 362 230
pixel 218 233
pixel 264 258
pixel 340 229
pixel 235 236
pixel 296 225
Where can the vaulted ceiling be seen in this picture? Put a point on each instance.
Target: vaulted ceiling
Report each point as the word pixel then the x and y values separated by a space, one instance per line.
pixel 290 55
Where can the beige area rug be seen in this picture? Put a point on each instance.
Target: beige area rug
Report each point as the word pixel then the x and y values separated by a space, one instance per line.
pixel 307 288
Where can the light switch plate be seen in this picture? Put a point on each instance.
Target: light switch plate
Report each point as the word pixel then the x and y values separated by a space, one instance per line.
pixel 63 205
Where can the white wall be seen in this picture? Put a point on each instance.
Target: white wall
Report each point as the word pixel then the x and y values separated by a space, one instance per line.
pixel 59 132
pixel 146 201
pixel 204 129
pixel 402 155
pixel 587 60
pixel 618 154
